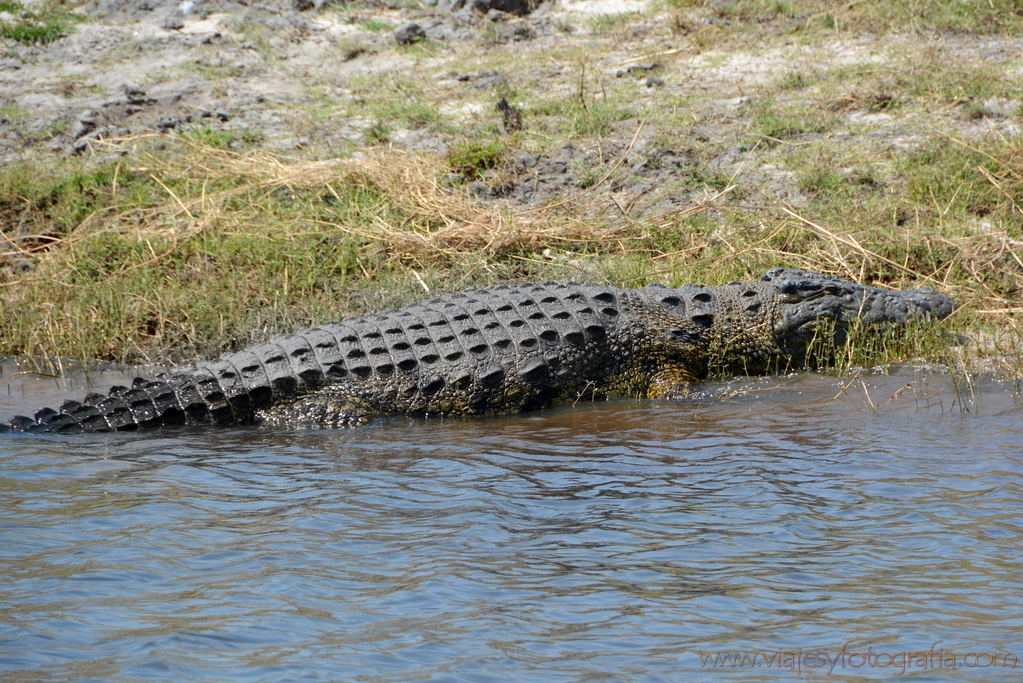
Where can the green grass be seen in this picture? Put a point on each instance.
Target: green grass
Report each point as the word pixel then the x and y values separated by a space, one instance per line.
pixel 774 122
pixel 587 114
pixel 952 178
pixel 258 250
pixel 471 158
pixel 39 23
pixel 395 101
pixel 224 138
pixel 606 23
pixel 377 26
pixel 212 242
pixel 191 250
pixel 809 16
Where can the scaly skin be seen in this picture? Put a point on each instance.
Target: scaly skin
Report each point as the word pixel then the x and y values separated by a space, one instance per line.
pixel 500 350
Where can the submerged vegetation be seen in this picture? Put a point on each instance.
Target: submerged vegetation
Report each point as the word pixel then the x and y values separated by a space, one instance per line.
pixel 192 243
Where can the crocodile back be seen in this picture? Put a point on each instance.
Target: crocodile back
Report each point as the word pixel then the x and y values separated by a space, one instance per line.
pixel 497 350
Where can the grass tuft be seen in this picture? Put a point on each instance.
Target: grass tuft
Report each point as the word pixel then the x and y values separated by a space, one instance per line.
pixel 41 23
pixel 853 139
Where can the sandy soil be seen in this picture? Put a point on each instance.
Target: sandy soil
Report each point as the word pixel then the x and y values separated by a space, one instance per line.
pixel 300 80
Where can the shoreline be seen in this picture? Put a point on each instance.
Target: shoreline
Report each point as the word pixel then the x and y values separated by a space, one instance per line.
pixel 254 176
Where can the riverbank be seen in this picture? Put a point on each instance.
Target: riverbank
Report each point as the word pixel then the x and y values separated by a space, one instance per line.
pixel 169 193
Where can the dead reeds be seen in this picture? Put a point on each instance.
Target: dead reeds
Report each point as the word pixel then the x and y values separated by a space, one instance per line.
pixel 196 249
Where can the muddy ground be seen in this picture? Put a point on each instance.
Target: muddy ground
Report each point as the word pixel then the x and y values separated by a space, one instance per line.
pixel 664 115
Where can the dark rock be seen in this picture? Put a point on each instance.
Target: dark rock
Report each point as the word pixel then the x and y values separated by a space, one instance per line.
pixel 83 144
pixel 438 30
pixel 511 116
pixel 523 161
pixel 87 122
pixel 136 96
pixel 511 32
pixel 638 70
pixel 498 15
pixel 517 7
pixel 173 21
pixel 450 6
pixel 167 125
pixel 410 33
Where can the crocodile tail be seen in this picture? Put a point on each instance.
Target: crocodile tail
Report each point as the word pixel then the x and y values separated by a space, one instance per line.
pixel 147 402
pixel 228 390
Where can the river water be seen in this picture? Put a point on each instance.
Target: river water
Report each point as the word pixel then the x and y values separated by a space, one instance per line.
pixel 779 520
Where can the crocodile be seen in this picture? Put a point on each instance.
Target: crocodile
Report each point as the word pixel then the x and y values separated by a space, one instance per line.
pixel 501 350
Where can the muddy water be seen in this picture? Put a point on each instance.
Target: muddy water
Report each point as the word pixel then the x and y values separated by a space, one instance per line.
pixel 618 541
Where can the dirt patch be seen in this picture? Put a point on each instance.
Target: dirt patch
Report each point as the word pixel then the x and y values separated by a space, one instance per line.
pixel 188 177
pixel 631 110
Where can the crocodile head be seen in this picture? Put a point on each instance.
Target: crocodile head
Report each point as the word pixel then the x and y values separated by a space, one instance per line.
pixel 810 301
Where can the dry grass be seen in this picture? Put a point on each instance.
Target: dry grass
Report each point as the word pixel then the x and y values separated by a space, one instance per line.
pixel 441 225
pixel 429 223
pixel 183 247
pixel 273 243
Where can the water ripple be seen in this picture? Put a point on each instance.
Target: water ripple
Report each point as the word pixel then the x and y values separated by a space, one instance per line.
pixel 609 542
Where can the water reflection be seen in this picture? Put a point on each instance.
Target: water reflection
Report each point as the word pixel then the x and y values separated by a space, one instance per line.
pixel 597 542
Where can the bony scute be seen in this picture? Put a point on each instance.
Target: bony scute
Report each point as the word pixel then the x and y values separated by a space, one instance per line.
pixel 566 342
